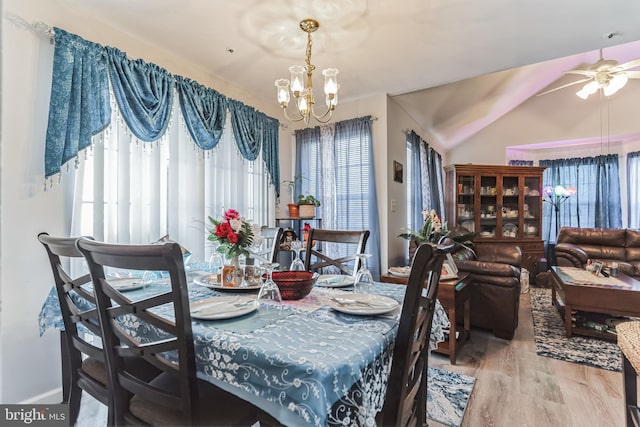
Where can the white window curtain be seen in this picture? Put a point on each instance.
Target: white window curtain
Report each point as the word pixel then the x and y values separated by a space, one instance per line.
pixel 129 191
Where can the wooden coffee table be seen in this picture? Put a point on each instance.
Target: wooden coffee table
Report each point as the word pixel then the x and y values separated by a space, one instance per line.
pixel 619 296
pixel 453 295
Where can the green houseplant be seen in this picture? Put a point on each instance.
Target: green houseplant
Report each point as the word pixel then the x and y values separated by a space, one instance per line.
pixel 307 205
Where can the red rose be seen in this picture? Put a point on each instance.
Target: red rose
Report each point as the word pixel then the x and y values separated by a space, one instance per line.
pixel 233 237
pixel 231 214
pixel 307 226
pixel 222 230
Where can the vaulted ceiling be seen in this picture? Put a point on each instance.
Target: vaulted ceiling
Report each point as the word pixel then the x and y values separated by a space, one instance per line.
pixel 472 61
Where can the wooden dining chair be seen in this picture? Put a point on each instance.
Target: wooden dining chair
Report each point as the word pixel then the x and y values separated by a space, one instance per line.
pixel 83 362
pixel 406 398
pixel 270 248
pixel 351 243
pixel 176 396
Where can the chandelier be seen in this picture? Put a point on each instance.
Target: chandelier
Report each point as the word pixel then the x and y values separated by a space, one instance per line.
pixel 303 93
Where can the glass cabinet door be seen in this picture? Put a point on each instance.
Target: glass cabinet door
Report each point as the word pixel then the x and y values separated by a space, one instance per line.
pixel 465 203
pixel 532 207
pixel 510 224
pixel 489 206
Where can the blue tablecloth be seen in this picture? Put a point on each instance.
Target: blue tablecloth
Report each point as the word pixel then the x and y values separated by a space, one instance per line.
pixel 304 363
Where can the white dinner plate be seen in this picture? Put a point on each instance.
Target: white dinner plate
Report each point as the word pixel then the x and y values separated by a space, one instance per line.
pixel 211 281
pixel 334 280
pixel 362 304
pixel 126 284
pixel 400 271
pixel 218 308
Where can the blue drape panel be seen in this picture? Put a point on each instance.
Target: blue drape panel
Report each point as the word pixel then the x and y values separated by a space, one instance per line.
pixel 144 93
pixel 436 184
pixel 633 190
pixel 204 111
pixel 416 203
pixel 271 150
pixel 597 200
pixel 79 106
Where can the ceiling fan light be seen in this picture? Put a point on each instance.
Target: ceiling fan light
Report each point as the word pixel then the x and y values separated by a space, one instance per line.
pixel 617 82
pixel 588 89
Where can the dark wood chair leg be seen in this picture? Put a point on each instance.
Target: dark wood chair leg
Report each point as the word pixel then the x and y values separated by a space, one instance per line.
pixel 66 370
pixel 630 392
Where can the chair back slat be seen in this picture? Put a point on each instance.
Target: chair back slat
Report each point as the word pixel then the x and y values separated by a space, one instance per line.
pixel 77 306
pixel 169 345
pixel 407 385
pixel 271 245
pixel 316 258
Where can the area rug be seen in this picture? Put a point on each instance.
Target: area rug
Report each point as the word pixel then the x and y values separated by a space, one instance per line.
pixel 447 396
pixel 549 333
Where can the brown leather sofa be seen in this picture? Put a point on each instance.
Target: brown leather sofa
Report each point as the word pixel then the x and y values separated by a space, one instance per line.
pixel 577 245
pixel 495 286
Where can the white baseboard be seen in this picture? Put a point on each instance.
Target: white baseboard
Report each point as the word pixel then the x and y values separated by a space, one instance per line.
pixel 52 396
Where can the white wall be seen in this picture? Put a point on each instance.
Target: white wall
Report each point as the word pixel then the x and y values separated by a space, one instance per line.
pixel 29 364
pixel 536 121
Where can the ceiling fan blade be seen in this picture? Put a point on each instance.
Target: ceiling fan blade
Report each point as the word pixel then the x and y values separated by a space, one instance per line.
pixel 563 86
pixel 581 72
pixel 633 74
pixel 627 65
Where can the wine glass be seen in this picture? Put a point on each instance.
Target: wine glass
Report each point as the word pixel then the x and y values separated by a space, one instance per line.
pixel 269 291
pixel 297 264
pixel 364 279
pixel 216 262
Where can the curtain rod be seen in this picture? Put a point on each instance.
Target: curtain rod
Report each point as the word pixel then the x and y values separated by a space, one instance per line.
pixel 284 126
pixel 39 28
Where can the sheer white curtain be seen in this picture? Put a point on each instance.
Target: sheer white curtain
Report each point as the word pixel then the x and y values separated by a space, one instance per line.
pixel 128 191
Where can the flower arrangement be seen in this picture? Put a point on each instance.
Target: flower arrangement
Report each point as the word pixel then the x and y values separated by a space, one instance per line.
pixel 433 230
pixel 235 234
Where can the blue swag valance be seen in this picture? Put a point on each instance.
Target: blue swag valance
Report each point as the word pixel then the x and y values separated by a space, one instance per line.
pixel 204 111
pixel 79 106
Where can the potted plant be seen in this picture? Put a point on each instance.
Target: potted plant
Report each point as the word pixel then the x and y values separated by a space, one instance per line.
pixel 307 205
pixel 293 206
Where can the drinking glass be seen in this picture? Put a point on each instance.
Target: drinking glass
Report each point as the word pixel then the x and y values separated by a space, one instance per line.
pixel 364 279
pixel 216 262
pixel 297 264
pixel 269 291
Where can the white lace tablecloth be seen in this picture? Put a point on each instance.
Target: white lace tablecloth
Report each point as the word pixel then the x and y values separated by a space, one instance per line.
pixel 306 364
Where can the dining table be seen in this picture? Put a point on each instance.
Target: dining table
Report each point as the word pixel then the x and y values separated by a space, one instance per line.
pixel 305 362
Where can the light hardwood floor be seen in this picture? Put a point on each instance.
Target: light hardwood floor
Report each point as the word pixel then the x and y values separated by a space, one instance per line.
pixel 515 387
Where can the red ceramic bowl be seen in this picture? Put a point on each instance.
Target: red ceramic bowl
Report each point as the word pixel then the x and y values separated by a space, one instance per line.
pixel 294 284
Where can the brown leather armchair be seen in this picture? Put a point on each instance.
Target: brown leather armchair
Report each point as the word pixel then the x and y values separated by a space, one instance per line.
pixel 495 286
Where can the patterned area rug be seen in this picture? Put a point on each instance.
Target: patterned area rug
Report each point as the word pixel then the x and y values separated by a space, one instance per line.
pixel 550 338
pixel 447 396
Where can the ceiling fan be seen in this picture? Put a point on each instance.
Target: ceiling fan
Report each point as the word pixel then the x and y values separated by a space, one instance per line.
pixel 606 74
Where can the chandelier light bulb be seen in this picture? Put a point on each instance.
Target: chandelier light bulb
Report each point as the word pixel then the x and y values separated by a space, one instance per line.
pixel 330 81
pixel 282 86
pixel 297 79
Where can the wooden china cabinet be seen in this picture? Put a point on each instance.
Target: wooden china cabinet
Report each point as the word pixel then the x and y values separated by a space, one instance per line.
pixel 502 203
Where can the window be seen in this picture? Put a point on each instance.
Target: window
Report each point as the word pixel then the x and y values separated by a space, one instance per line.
pixel 336 165
pixel 128 191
